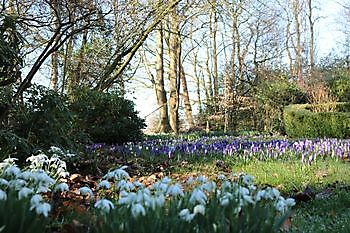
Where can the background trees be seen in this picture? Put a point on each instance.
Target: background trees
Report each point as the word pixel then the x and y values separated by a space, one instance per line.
pixel 211 63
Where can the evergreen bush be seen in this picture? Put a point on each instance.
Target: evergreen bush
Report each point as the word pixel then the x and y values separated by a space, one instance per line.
pixel 301 121
pixel 106 117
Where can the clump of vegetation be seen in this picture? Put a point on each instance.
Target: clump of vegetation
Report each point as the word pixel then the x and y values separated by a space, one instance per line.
pixel 106 117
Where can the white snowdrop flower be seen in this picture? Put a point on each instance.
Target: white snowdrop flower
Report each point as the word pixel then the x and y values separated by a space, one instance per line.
pixel 55 149
pixel 26 175
pixel 260 195
pixel 125 185
pixel 43 189
pixel 226 185
pixel 248 199
pixel 17 184
pixel 248 179
pixel 12 171
pixel 104 184
pixel 186 215
pixel 199 209
pixel 166 180
pixel 3 195
pixel 281 205
pixel 8 162
pixel 138 184
pixel 290 202
pixel 237 210
pixel 24 192
pixel 36 200
pixel 243 191
pixel 175 190
pixel 159 186
pixel 160 200
pixel 104 205
pixel 137 210
pixel 201 179
pixel 43 208
pixel 190 180
pixel 121 173
pixel 222 177
pixel 86 191
pixel 61 187
pixel 275 192
pixel 4 182
pixel 198 196
pixel 208 186
pixel 224 201
pixel 127 199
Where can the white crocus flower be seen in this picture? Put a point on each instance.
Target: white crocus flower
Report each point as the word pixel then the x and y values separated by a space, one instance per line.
pixel 104 184
pixel 61 187
pixel 199 209
pixel 24 192
pixel 43 208
pixel 137 210
pixel 186 215
pixel 104 205
pixel 175 190
pixel 3 195
pixel 86 191
pixel 198 196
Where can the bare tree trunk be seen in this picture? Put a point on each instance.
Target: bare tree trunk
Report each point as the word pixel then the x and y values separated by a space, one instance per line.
pixel 159 84
pixel 173 72
pixel 213 31
pixel 312 37
pixel 298 47
pixel 186 97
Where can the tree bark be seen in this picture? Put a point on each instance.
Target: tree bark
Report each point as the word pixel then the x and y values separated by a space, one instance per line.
pixel 186 98
pixel 173 72
pixel 159 84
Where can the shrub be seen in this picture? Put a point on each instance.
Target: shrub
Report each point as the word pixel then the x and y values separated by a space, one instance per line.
pixel 300 121
pixel 44 119
pixel 272 96
pixel 340 87
pixel 106 117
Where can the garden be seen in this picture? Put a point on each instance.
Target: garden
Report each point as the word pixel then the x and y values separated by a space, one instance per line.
pixel 247 129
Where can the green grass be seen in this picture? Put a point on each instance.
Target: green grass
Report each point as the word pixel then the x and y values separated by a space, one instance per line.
pixel 287 176
pixel 329 215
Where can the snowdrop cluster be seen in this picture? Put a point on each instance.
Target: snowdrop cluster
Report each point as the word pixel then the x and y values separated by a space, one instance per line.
pixel 34 181
pixel 234 192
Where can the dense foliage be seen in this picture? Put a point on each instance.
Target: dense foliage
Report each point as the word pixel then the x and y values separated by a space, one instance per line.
pixel 106 117
pixel 301 121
